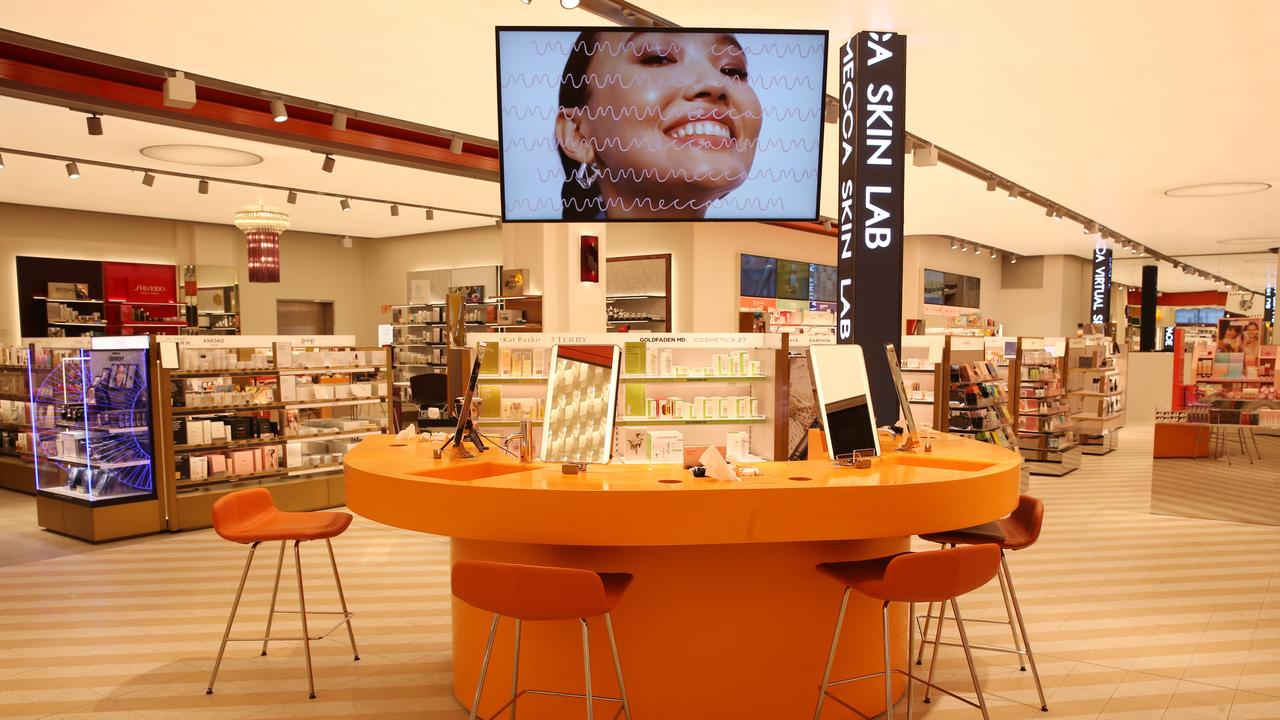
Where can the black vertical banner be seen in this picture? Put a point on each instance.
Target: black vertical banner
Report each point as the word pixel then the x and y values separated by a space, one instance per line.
pixel 1269 304
pixel 1100 287
pixel 873 78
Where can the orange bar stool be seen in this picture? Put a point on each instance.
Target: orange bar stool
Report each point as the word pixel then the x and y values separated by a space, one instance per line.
pixel 933 576
pixel 533 592
pixel 251 518
pixel 1020 530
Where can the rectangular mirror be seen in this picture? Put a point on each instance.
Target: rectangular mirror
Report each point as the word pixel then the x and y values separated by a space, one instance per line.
pixel 581 390
pixel 844 398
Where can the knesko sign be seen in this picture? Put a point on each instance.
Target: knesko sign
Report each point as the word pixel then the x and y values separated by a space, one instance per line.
pixel 873 73
pixel 1100 295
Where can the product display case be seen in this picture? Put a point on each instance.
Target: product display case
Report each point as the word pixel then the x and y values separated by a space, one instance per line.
pixel 676 391
pixel 95 464
pixel 272 411
pixel 975 402
pixel 1096 392
pixel 16 461
pixel 1042 413
pixel 919 358
pixel 638 293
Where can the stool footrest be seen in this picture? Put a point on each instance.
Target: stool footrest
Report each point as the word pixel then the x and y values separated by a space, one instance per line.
pixel 321 636
pixel 552 693
pixel 905 673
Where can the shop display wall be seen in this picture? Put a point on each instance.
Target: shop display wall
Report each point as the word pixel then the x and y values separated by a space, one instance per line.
pixel 271 411
pixel 1096 392
pixel 17 470
pixel 975 402
pixel 1041 410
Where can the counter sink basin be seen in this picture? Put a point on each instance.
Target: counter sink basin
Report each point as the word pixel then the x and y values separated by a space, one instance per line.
pixel 474 470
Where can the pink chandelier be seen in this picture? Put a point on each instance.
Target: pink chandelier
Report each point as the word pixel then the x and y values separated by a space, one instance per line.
pixel 262 228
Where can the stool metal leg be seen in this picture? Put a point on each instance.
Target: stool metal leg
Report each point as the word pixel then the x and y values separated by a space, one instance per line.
pixel 1008 612
pixel 617 666
pixel 586 666
pixel 515 672
pixel 275 592
pixel 937 643
pixel 342 599
pixel 911 639
pixel 235 605
pixel 924 633
pixel 831 657
pixel 888 665
pixel 484 666
pixel 302 610
pixel 968 656
pixel 1026 639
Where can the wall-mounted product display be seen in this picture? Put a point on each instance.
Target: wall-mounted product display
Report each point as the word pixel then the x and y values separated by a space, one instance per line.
pixel 726 166
pixel 919 357
pixel 788 296
pixel 975 402
pixel 83 298
pixel 93 440
pixel 952 289
pixel 1096 392
pixel 638 293
pixel 694 390
pixel 16 470
pixel 216 300
pixel 1042 411
pixel 277 412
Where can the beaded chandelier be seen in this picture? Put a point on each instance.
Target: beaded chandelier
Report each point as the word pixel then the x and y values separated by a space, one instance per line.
pixel 262 228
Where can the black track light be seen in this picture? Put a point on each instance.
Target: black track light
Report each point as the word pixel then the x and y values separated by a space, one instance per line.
pixel 430 214
pixel 328 163
pixel 278 111
pixel 346 205
pixel 95 124
pixel 73 171
pixel 204 187
pixel 292 198
pixel 148 179
pixel 992 184
pixel 395 210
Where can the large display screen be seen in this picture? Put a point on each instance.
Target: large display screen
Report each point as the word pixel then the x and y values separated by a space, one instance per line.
pixel 758 276
pixel 660 123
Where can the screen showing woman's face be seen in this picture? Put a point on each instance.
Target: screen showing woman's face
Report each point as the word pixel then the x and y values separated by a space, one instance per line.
pixel 675 118
pixel 1252 333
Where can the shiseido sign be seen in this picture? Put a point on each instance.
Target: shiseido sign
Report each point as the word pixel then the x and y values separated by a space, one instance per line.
pixel 1100 287
pixel 873 73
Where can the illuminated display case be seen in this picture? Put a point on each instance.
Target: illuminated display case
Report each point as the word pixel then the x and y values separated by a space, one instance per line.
pixel 92 426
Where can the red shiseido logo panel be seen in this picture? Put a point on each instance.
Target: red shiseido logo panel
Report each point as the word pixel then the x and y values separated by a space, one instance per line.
pixel 139 282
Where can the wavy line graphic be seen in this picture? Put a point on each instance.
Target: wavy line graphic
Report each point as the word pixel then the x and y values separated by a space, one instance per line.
pixel 773 203
pixel 615 112
pixel 681 175
pixel 615 143
pixel 603 80
pixel 769 49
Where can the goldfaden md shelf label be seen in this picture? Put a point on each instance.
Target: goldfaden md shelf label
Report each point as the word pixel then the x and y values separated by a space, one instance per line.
pixel 873 73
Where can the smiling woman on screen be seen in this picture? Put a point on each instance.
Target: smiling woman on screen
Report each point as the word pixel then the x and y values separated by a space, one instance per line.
pixel 654 125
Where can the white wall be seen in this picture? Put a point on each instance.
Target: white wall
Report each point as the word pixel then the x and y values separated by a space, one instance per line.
pixel 313 267
pixel 933 252
pixel 1149 383
pixel 386 261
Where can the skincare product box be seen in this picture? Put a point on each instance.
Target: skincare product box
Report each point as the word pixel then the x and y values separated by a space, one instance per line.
pixel 664 446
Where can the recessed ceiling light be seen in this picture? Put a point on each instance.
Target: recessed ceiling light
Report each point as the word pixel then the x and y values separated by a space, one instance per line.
pixel 1218 189
pixel 201 155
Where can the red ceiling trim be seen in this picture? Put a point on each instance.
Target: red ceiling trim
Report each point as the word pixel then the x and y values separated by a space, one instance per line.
pixel 95 87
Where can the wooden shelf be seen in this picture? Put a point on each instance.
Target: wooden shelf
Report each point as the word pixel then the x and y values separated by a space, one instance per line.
pixel 691 378
pixel 674 421
pixel 213 410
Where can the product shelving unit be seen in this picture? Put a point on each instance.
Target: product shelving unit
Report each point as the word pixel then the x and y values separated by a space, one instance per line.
pixel 647 396
pixel 1046 432
pixel 94 454
pixel 1096 390
pixel 272 411
pixel 919 358
pixel 975 400
pixel 17 470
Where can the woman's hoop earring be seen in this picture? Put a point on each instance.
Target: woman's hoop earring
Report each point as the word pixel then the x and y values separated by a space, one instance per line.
pixel 586 175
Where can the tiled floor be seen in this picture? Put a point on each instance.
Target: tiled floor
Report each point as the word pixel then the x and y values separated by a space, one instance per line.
pixel 1134 617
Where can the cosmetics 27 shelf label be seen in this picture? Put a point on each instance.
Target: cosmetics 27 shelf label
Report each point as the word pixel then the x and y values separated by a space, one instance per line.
pixel 873 73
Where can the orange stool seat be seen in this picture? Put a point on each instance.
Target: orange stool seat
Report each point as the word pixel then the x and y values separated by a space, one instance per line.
pixel 1019 531
pixel 933 576
pixel 250 517
pixel 537 592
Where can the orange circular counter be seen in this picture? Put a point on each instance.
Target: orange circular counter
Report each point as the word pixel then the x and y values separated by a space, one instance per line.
pixel 727 617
